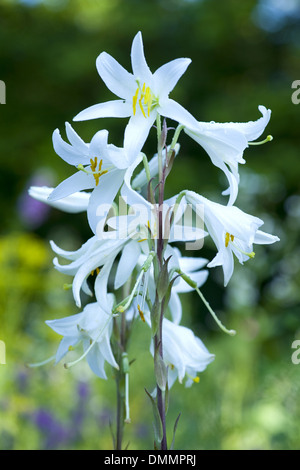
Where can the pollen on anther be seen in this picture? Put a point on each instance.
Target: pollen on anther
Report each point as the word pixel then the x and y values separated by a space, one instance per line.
pixel 141 313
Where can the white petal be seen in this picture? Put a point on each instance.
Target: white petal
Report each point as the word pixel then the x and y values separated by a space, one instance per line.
pixel 75 203
pixel 98 146
pixel 166 77
pixel 95 360
pixel 106 351
pixel 175 307
pixel 131 197
pixel 220 142
pixel 75 140
pixel 115 108
pixel 263 238
pixel 74 155
pixel 173 110
pixel 115 77
pixel 102 198
pixel 136 133
pixel 65 345
pixel 140 68
pixel 73 255
pixel 101 285
pixel 77 182
pixel 252 129
pixel 66 326
pixel 189 264
pixel 127 263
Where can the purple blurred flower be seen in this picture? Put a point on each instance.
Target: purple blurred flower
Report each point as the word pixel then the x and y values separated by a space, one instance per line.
pixel 33 213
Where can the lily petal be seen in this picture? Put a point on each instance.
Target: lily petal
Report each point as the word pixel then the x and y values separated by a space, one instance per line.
pixel 173 110
pixel 77 182
pixel 115 108
pixel 140 68
pixel 166 76
pixel 116 78
pixel 75 203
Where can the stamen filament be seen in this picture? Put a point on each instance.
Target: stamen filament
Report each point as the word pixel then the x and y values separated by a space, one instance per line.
pixel 42 363
pixel 219 323
pixel 267 139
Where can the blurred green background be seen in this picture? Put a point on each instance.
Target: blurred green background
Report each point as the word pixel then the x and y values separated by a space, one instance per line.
pixel 244 53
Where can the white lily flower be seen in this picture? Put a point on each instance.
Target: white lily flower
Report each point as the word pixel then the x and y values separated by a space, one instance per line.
pixel 143 95
pixel 100 167
pixel 226 142
pixel 95 257
pixel 93 328
pixel 232 230
pixel 75 203
pixel 184 354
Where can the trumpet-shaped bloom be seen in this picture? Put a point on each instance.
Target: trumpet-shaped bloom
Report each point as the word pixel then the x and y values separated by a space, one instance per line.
pixel 100 166
pixel 95 257
pixel 92 327
pixel 233 231
pixel 143 94
pixel 184 354
pixel 226 142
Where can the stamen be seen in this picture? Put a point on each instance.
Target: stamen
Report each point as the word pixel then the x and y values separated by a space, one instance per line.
pixel 134 100
pixel 42 363
pixel 141 314
pixel 267 139
pixel 93 164
pixel 219 323
pixel 146 99
pixel 67 365
pixel 67 286
pixel 228 238
pixel 196 379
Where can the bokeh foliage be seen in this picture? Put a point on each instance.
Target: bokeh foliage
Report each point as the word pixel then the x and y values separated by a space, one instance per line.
pixel 243 54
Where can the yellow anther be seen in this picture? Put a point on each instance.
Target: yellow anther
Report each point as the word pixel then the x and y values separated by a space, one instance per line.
pixel 196 380
pixel 99 172
pixel 228 238
pixel 146 99
pixel 94 163
pixel 141 313
pixel 134 100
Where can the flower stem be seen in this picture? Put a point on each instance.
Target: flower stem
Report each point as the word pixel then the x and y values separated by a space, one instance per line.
pixel 158 338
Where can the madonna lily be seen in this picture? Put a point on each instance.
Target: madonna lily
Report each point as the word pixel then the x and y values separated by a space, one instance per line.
pixel 92 327
pixel 100 166
pixel 95 257
pixel 232 230
pixel 226 142
pixel 143 94
pixel 184 354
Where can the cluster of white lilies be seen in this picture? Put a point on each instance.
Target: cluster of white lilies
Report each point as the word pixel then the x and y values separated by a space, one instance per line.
pixel 129 266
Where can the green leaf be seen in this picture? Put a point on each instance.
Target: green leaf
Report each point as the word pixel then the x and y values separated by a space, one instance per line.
pixel 157 424
pixel 160 369
pixel 174 432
